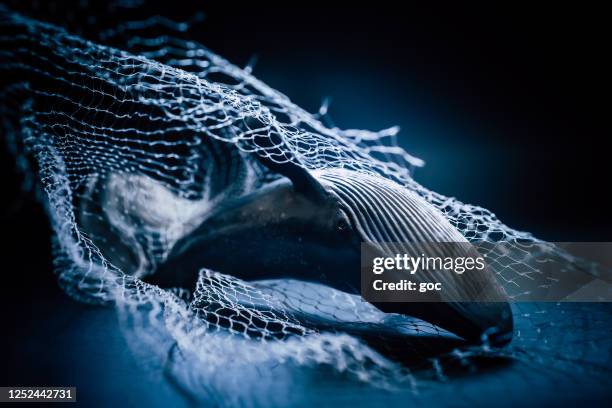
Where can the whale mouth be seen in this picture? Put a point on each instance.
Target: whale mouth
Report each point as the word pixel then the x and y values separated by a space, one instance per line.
pixel 394 219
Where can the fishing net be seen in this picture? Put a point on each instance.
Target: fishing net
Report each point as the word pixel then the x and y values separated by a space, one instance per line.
pixel 136 141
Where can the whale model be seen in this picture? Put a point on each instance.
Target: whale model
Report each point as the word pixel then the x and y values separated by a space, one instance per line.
pixel 310 226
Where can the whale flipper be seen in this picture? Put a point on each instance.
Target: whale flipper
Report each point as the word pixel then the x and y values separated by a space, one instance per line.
pixel 276 160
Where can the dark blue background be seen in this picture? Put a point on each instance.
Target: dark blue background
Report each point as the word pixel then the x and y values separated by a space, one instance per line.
pixel 505 104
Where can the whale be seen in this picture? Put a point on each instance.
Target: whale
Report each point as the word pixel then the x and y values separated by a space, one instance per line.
pixel 310 225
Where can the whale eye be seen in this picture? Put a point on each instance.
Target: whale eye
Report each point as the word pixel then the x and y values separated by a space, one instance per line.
pixel 342 222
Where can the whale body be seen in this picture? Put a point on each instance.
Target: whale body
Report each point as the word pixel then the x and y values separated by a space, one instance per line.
pixel 310 226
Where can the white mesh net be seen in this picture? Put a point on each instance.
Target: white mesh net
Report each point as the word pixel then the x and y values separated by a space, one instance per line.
pixel 133 149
